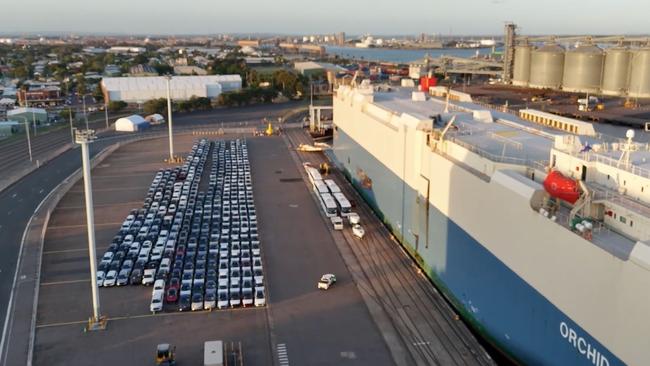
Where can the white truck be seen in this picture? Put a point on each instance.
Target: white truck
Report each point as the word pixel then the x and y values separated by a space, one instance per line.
pixel 213 353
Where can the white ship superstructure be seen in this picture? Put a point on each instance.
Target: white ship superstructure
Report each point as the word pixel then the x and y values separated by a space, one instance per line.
pixel 536 233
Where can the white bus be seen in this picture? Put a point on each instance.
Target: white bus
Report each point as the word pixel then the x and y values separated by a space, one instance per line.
pixel 333 187
pixel 329 204
pixel 344 205
pixel 314 175
pixel 320 187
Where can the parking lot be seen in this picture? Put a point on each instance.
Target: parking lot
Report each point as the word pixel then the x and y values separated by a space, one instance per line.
pixel 300 324
pixel 207 251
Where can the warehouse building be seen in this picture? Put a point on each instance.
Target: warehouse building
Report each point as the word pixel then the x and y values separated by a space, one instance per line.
pixel 30 115
pixel 142 89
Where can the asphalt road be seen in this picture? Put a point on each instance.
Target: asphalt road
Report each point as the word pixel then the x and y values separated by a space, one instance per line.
pixel 20 200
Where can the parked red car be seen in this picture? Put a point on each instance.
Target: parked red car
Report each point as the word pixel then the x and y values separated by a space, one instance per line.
pixel 172 295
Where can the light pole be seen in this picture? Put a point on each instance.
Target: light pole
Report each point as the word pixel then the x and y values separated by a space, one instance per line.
pixel 83 98
pixel 169 117
pixel 106 113
pixel 29 141
pixel 71 126
pixel 83 138
pixel 33 115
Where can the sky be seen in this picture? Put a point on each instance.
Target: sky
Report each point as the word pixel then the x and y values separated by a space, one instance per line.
pixel 378 17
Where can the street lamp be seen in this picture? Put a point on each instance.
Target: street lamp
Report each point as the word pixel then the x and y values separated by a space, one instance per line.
pixel 169 117
pixel 106 113
pixel 29 141
pixel 83 138
pixel 33 115
pixel 83 98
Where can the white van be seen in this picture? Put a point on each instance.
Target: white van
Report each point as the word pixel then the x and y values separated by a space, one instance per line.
pixel 337 222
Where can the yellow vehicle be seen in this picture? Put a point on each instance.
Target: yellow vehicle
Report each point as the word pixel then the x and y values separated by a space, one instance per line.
pixel 165 355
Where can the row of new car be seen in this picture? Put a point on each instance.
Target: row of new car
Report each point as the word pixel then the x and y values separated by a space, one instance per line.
pixel 193 231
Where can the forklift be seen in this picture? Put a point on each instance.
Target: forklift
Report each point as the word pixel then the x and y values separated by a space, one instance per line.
pixel 165 355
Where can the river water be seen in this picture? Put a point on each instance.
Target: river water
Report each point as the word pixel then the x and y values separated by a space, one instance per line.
pixel 401 56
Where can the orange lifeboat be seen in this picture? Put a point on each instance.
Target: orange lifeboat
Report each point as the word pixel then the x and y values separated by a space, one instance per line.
pixel 561 187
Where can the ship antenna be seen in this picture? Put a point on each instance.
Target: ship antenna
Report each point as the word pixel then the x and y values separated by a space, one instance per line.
pixel 627 149
pixel 447 100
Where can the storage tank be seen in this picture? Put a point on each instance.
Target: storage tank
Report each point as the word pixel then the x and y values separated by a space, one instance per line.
pixel 583 69
pixel 521 71
pixel 547 67
pixel 639 86
pixel 616 71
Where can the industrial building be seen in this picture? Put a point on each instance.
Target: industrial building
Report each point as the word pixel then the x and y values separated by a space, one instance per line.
pixel 132 123
pixel 31 115
pixel 615 66
pixel 142 89
pixel 41 95
pixel 310 68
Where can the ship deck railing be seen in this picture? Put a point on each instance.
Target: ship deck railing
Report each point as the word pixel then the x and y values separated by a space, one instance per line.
pixel 535 164
pixel 596 157
pixel 563 218
pixel 606 194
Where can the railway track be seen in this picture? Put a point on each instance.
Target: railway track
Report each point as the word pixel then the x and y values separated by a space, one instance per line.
pixel 428 326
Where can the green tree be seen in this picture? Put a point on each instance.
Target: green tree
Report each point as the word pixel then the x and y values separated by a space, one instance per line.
pixel 65 114
pixel 163 69
pixel 81 85
pixel 155 106
pixel 116 106
pixel 98 94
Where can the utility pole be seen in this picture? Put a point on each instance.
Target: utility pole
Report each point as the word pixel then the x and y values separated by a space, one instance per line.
pixel 83 138
pixel 169 117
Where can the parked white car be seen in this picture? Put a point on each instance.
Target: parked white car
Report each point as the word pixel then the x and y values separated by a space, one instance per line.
pixel 358 231
pixel 148 277
pixel 159 285
pixel 110 279
pixel 260 299
pixel 326 281
pixel 101 275
pixel 156 301
pixel 354 218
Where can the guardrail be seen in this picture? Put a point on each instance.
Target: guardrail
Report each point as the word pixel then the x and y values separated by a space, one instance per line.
pixel 535 164
pixel 631 168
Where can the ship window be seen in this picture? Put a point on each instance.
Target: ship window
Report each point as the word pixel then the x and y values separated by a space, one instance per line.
pixel 631 223
pixel 608 179
pixel 622 219
pixel 641 189
pixel 614 215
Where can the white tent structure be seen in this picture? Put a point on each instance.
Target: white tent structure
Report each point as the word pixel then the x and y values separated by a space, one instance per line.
pixel 142 89
pixel 131 124
pixel 155 119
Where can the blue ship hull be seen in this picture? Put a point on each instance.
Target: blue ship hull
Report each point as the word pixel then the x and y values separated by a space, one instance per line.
pixel 498 303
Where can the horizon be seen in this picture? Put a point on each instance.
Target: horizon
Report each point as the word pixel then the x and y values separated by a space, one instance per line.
pixel 292 17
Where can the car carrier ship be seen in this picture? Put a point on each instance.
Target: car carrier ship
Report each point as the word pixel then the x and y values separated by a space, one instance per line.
pixel 534 226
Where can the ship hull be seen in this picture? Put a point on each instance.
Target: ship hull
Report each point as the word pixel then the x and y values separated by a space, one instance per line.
pixel 498 303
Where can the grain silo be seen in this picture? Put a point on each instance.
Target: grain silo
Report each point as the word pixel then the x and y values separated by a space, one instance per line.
pixel 521 72
pixel 583 68
pixel 639 86
pixel 547 67
pixel 616 71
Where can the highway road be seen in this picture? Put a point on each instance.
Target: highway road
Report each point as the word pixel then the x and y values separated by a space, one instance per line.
pixel 20 200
